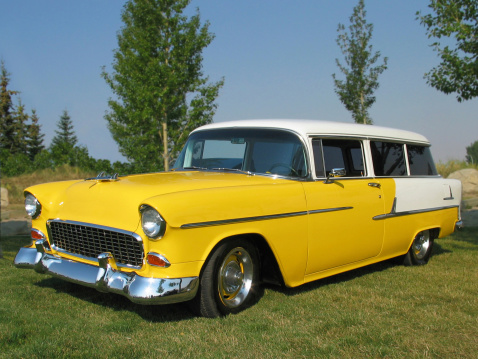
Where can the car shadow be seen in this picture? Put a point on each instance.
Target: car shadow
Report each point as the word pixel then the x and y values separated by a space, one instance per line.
pixel 180 311
pixel 151 313
pixel 352 274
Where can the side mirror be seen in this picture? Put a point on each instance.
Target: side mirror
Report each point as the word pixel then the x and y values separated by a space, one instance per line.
pixel 336 172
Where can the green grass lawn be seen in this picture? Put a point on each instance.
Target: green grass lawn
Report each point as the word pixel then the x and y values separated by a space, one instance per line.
pixel 383 310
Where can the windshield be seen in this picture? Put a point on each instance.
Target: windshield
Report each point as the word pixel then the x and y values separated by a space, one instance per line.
pixel 252 150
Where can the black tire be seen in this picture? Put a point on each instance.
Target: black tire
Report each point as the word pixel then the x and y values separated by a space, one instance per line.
pixel 420 250
pixel 230 280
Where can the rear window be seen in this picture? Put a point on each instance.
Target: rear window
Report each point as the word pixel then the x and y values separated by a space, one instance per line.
pixel 420 161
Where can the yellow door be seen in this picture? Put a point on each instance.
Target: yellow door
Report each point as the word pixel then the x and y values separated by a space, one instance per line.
pixel 341 228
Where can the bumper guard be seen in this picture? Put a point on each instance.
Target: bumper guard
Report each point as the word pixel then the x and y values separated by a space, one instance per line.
pixel 107 278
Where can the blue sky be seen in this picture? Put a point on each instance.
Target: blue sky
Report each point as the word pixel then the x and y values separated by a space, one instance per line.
pixel 277 58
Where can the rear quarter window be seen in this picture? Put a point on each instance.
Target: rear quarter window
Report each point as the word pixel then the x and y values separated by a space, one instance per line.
pixel 420 161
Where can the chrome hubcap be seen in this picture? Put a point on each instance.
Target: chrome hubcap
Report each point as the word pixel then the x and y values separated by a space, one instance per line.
pixel 235 277
pixel 421 244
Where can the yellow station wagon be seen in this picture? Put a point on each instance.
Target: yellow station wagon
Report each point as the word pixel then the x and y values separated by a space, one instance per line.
pixel 285 201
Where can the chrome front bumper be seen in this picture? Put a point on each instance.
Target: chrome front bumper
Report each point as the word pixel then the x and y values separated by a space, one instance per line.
pixel 107 278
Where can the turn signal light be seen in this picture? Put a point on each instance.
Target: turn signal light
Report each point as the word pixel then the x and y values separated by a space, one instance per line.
pixel 36 234
pixel 158 260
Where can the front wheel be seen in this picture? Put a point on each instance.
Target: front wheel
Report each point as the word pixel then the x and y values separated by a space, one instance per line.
pixel 230 280
pixel 421 249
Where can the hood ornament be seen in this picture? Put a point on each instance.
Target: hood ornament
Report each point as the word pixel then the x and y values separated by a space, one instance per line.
pixel 104 177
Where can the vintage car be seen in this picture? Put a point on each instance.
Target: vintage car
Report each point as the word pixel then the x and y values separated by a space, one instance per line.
pixel 247 202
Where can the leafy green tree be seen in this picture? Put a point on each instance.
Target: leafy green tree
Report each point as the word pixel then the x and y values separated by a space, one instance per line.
pixel 472 153
pixel 34 137
pixel 8 127
pixel 158 79
pixel 458 70
pixel 361 76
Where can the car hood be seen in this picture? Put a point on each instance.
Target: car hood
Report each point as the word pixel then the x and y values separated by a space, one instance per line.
pixel 176 195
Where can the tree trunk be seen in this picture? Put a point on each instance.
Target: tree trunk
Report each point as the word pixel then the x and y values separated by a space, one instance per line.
pixel 165 146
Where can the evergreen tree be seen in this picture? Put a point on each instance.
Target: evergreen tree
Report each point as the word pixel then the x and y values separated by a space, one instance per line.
pixel 7 117
pixel 65 135
pixel 34 137
pixel 361 76
pixel 20 134
pixel 157 76
pixel 63 144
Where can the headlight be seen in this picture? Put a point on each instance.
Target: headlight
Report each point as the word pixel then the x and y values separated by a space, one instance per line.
pixel 152 223
pixel 32 206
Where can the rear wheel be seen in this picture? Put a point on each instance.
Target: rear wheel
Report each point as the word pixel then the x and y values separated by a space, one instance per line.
pixel 421 249
pixel 230 280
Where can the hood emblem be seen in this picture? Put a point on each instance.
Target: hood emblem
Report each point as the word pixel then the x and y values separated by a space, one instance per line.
pixel 104 177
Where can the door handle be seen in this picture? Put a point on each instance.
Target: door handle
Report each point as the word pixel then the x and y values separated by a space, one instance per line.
pixel 376 185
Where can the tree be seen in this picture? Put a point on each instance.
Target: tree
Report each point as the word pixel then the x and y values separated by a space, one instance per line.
pixel 20 129
pixel 458 70
pixel 472 153
pixel 65 135
pixel 64 142
pixel 34 137
pixel 157 77
pixel 361 76
pixel 7 118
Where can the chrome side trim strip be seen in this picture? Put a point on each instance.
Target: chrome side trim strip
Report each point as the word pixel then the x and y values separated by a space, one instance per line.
pixel 407 213
pixel 241 220
pixel 329 210
pixel 260 218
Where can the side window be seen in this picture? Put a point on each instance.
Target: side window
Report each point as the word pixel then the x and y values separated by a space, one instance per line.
pixel 318 158
pixel 388 159
pixel 333 153
pixel 420 161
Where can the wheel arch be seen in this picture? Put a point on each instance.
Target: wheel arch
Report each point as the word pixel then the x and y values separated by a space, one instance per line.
pixel 269 267
pixel 434 234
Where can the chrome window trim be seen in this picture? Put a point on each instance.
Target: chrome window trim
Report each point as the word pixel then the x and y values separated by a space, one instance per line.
pixel 364 146
pixel 260 218
pixel 407 161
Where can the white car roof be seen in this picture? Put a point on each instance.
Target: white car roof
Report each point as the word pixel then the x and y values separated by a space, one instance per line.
pixel 307 128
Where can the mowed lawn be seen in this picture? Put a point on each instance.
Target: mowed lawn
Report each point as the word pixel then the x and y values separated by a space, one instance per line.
pixel 384 310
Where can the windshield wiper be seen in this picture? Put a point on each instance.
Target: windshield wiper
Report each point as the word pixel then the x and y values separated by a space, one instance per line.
pixel 194 168
pixel 233 170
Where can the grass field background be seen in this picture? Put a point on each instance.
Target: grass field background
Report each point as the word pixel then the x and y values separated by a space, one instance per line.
pixel 380 311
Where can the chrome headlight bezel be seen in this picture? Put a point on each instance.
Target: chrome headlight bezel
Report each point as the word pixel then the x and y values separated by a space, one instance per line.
pixel 32 205
pixel 152 223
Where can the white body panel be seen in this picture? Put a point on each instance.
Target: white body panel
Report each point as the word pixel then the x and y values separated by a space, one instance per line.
pixel 415 194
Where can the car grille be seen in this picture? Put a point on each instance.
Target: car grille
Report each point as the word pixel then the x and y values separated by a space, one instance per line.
pixel 90 241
